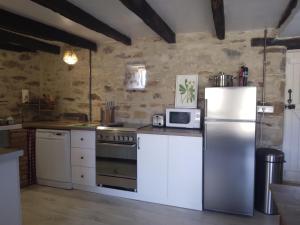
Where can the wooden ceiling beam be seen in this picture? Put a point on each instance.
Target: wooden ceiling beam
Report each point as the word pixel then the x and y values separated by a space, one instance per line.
pixel 143 10
pixel 83 18
pixel 14 48
pixel 23 25
pixel 290 44
pixel 219 18
pixel 26 42
pixel 287 12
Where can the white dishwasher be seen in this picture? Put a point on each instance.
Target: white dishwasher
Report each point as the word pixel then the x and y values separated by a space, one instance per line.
pixel 53 158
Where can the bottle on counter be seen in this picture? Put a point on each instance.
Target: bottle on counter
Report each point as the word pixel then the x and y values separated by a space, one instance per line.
pixel 246 73
pixel 243 76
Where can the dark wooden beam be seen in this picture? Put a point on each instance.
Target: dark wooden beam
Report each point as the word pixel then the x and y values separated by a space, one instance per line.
pixel 287 12
pixel 79 16
pixel 219 18
pixel 26 42
pixel 143 10
pixel 14 48
pixel 23 25
pixel 291 43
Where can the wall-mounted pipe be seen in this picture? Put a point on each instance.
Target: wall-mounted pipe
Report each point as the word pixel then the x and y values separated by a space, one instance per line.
pixel 263 97
pixel 90 86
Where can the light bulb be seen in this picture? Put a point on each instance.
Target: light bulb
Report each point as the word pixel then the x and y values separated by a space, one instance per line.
pixel 70 57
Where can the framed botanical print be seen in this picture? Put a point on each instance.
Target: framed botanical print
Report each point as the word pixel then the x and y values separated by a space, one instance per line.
pixel 186 91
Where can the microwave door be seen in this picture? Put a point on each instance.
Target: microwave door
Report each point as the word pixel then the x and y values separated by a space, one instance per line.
pixel 180 118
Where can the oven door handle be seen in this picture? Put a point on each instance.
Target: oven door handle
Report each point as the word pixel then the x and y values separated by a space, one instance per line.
pixel 116 145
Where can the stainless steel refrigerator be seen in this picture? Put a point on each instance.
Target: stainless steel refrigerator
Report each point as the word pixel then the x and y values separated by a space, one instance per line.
pixel 229 149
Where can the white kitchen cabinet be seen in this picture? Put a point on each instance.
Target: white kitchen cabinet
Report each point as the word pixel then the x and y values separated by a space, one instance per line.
pixel 152 167
pixel 170 170
pixel 83 175
pixel 83 139
pixel 185 172
pixel 10 199
pixel 83 158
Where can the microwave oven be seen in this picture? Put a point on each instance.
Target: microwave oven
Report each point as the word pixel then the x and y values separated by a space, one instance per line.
pixel 183 118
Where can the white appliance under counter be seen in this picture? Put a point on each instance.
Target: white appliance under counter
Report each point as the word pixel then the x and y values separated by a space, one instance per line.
pixel 53 158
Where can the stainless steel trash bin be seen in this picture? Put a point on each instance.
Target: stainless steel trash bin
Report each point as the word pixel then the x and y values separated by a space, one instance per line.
pixel 268 170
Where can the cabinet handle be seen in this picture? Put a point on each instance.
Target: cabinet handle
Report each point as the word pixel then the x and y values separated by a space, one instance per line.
pixel 82 176
pixel 81 139
pixel 138 143
pixel 81 157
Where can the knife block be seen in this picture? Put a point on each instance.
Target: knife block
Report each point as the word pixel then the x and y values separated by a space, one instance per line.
pixel 107 116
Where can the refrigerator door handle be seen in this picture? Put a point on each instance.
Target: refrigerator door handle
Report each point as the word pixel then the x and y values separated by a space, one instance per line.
pixel 204 147
pixel 205 108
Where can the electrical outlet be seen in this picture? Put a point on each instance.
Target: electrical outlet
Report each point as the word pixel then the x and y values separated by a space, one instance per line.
pixel 265 109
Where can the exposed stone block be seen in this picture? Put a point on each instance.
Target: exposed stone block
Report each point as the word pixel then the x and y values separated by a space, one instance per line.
pixel 232 53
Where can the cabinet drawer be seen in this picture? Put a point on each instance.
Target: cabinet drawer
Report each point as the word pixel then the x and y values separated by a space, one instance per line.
pixel 83 157
pixel 83 139
pixel 84 175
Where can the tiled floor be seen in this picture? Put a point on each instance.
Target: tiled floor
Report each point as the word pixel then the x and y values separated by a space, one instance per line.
pixel 50 206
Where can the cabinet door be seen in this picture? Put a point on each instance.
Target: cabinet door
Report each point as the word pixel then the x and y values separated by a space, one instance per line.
pixel 185 172
pixel 152 164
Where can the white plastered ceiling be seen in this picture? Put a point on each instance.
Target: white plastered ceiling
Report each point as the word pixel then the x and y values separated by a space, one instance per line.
pixel 183 16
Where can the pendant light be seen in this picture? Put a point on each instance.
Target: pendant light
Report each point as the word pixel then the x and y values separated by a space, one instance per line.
pixel 70 57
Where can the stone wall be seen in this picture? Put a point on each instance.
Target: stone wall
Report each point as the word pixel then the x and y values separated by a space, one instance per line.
pixel 195 53
pixel 18 71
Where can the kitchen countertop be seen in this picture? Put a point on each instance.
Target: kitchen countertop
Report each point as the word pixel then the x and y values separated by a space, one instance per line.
pixel 10 153
pixel 11 127
pixel 75 125
pixel 170 131
pixel 287 199
pixel 61 125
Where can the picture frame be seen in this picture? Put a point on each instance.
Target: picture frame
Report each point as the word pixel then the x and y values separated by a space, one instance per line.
pixel 135 77
pixel 186 94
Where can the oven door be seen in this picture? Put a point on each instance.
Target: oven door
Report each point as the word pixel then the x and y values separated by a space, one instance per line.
pixel 116 150
pixel 116 164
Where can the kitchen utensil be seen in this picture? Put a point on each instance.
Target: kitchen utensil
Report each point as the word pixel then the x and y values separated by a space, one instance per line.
pixel 108 114
pixel 158 120
pixel 222 80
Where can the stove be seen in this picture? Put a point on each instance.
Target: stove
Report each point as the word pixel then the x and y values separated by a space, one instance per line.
pixel 120 127
pixel 118 133
pixel 116 156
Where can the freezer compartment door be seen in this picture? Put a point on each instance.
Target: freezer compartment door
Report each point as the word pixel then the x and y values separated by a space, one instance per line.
pixel 231 103
pixel 229 159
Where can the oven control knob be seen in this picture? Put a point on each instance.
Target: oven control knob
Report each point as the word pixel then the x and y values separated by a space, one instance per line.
pixel 125 138
pixel 120 138
pixel 130 138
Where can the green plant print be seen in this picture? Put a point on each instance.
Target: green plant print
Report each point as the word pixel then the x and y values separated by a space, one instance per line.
pixel 187 91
